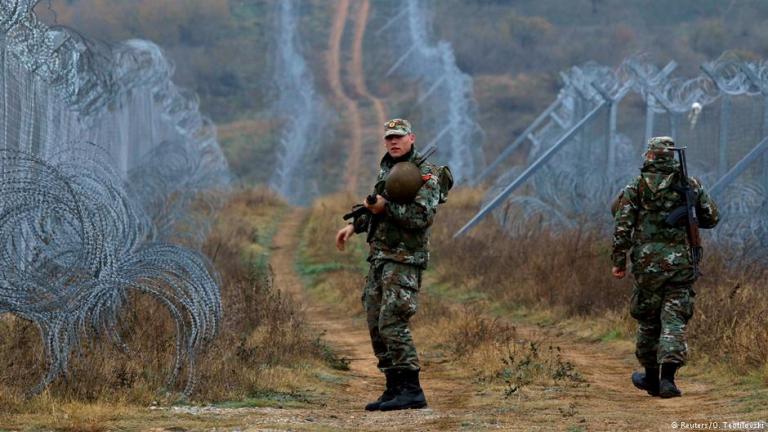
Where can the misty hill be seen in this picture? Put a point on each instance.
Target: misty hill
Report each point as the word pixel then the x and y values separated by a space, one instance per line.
pixel 226 51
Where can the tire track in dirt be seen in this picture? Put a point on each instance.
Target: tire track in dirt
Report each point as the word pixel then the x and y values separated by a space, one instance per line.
pixel 364 112
pixel 352 117
pixel 349 338
pixel 611 402
pixel 357 75
pixel 356 67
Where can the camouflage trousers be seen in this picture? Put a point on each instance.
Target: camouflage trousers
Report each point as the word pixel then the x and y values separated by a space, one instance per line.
pixel 662 304
pixel 390 299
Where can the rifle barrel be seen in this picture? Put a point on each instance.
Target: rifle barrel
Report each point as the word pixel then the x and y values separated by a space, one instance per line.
pixel 694 239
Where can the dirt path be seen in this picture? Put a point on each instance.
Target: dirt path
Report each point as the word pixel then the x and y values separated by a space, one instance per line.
pixel 605 402
pixel 611 403
pixel 351 115
pixel 363 113
pixel 375 108
pixel 349 337
pixel 356 64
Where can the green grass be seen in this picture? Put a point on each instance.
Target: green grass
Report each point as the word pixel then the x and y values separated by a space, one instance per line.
pixel 269 399
pixel 315 269
pixel 311 271
pixel 755 401
pixel 257 257
pixel 614 334
pixel 450 291
pixel 331 379
pixel 330 356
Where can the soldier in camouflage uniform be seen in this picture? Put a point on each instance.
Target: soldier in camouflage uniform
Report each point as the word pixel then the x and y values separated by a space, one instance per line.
pixel 398 235
pixel 663 294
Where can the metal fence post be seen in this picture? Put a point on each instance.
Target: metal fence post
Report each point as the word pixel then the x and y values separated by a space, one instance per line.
pixel 650 102
pixel 725 118
pixel 765 133
pixel 611 135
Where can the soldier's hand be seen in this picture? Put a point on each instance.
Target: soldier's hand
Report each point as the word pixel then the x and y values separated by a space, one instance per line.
pixel 377 207
pixel 343 235
pixel 619 273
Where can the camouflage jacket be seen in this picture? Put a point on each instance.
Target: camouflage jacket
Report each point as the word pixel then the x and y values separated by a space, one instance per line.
pixel 640 220
pixel 401 232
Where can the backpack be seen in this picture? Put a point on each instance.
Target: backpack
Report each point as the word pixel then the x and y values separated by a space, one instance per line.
pixel 445 180
pixel 444 175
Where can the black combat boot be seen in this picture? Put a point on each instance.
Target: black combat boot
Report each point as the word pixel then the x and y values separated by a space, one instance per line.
pixel 410 395
pixel 648 381
pixel 667 387
pixel 392 376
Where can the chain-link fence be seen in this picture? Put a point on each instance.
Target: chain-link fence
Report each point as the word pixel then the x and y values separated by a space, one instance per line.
pixel 101 160
pixel 589 143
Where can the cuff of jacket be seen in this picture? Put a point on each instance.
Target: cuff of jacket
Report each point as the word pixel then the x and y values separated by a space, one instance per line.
pixel 619 260
pixel 361 223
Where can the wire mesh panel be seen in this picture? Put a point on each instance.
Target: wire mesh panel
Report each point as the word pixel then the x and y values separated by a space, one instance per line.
pixel 443 106
pixel 101 158
pixel 572 175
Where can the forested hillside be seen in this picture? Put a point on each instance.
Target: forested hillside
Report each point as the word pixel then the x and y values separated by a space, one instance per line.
pixel 225 50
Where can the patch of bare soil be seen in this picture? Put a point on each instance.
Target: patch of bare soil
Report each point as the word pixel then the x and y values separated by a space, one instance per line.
pixel 352 114
pixel 363 112
pixel 373 106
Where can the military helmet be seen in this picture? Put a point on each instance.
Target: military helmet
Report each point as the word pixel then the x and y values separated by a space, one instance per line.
pixel 660 148
pixel 403 182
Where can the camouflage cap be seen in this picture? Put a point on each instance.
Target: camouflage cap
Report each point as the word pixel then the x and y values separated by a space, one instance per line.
pixel 660 148
pixel 397 127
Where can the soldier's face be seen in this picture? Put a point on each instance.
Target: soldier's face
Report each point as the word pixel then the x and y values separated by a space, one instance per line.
pixel 399 145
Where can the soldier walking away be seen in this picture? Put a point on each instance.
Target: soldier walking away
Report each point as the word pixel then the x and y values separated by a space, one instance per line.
pixel 397 233
pixel 657 217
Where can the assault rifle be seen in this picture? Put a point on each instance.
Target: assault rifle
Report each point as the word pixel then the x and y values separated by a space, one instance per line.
pixel 358 209
pixel 686 214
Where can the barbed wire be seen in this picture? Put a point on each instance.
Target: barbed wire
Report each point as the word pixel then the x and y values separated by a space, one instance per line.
pixel 446 94
pixel 73 244
pixel 577 185
pixel 102 158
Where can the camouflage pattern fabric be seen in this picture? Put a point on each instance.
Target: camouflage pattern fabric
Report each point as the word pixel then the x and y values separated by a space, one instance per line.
pixel 662 304
pixel 398 127
pixel 390 298
pixel 663 295
pixel 639 218
pixel 401 233
pixel 399 251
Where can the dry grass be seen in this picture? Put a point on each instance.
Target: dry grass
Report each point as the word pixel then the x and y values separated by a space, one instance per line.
pixel 731 319
pixel 564 271
pixel 263 336
pixel 334 277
